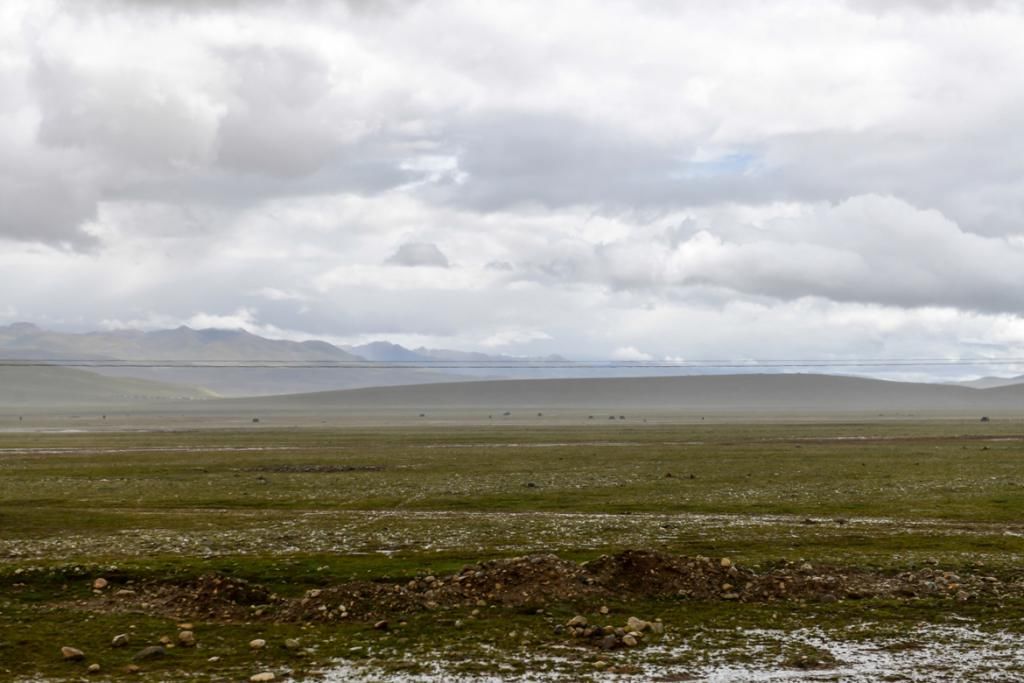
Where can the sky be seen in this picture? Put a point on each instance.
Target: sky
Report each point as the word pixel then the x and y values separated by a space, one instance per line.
pixel 638 179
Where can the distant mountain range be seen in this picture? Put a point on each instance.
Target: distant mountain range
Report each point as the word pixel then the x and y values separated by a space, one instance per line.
pixel 25 341
pixel 461 362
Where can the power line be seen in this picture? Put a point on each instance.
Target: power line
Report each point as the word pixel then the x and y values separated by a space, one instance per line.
pixel 509 364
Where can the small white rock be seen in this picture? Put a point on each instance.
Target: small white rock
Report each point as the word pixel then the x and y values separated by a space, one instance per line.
pixel 72 654
pixel 258 644
pixel 262 677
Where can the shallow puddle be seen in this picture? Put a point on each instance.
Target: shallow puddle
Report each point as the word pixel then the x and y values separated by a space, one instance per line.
pixel 929 654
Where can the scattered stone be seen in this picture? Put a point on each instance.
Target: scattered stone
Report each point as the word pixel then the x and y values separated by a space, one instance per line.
pixel 124 592
pixel 381 625
pixel 72 654
pixel 132 669
pixel 263 677
pixel 629 640
pixel 725 563
pixel 292 644
pixel 577 621
pixel 120 640
pixel 187 639
pixel 604 609
pixel 151 652
pixel 166 641
pixel 99 584
pixel 638 625
pixel 257 644
pixel 94 668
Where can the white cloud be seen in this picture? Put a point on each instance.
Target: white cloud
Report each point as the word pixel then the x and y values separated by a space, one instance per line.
pixel 630 353
pixel 513 337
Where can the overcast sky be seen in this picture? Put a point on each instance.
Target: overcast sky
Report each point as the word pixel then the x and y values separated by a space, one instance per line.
pixel 655 178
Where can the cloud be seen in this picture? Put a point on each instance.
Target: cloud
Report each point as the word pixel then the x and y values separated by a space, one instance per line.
pixel 318 98
pixel 124 113
pixel 281 118
pixel 887 6
pixel 869 249
pixel 415 254
pixel 50 207
pixel 630 353
pixel 513 337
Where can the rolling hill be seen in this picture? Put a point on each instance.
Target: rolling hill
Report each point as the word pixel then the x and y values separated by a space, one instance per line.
pixel 56 386
pixel 992 382
pixel 722 394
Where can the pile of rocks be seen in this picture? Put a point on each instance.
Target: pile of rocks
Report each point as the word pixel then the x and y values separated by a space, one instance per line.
pixel 610 637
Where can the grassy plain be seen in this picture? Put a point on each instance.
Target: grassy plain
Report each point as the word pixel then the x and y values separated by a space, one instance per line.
pixel 297 509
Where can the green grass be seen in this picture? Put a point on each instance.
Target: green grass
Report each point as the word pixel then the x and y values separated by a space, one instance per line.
pixel 394 503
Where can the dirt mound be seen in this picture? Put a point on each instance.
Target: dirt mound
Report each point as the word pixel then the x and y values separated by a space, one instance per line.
pixel 209 597
pixel 536 581
pixel 540 580
pixel 524 582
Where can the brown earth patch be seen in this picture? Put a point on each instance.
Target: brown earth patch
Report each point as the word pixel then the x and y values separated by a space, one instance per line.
pixel 537 581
